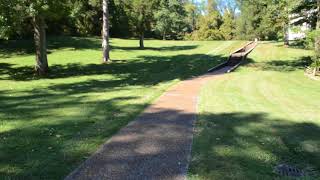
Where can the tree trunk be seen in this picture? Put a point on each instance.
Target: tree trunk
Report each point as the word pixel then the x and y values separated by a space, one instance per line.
pixel 286 35
pixel 286 26
pixel 141 40
pixel 317 40
pixel 41 66
pixel 164 35
pixel 286 41
pixel 105 32
pixel 193 20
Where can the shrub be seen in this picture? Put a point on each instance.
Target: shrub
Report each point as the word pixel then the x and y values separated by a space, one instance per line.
pixel 316 62
pixel 310 39
pixel 204 34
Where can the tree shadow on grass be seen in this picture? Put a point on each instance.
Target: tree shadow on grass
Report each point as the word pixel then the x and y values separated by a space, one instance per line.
pixel 58 126
pixel 296 44
pixel 146 70
pixel 163 48
pixel 249 145
pixel 280 65
pixel 15 47
pixel 226 146
pixel 26 47
pixel 52 147
pixel 51 150
pixel 95 43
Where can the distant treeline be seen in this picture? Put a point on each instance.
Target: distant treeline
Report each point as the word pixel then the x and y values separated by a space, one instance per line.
pixel 162 19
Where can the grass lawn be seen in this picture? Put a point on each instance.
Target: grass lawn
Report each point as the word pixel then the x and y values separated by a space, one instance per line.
pixel 265 114
pixel 49 126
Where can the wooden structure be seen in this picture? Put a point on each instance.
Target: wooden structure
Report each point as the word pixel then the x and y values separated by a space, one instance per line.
pixel 236 57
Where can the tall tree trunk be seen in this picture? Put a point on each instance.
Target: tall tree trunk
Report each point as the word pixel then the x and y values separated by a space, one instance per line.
pixel 141 41
pixel 193 18
pixel 286 35
pixel 105 32
pixel 286 26
pixel 317 40
pixel 193 21
pixel 164 35
pixel 41 66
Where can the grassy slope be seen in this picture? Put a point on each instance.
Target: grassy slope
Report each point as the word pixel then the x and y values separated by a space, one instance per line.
pixel 49 126
pixel 264 114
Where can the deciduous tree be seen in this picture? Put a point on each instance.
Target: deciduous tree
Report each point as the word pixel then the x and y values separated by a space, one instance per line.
pixel 317 40
pixel 105 32
pixel 192 13
pixel 170 18
pixel 227 27
pixel 37 12
pixel 141 14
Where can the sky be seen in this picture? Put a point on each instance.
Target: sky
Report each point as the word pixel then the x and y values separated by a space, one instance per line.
pixel 222 4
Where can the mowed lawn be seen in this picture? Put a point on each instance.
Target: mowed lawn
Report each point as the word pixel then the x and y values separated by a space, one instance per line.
pixel 49 126
pixel 265 114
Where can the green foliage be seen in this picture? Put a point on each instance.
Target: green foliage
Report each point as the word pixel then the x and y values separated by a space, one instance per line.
pixel 16 15
pixel 86 18
pixel 262 19
pixel 306 11
pixel 86 15
pixel 9 19
pixel 140 14
pixel 198 20
pixel 119 19
pixel 316 62
pixel 206 34
pixel 192 14
pixel 267 20
pixel 5 30
pixel 310 39
pixel 208 26
pixel 227 27
pixel 170 19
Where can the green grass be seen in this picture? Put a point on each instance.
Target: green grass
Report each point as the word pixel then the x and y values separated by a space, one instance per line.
pixel 49 126
pixel 264 114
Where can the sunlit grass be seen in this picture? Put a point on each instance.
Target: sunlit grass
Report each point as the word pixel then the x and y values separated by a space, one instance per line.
pixel 49 126
pixel 264 114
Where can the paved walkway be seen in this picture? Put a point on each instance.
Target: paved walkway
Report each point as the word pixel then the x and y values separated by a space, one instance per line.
pixel 157 145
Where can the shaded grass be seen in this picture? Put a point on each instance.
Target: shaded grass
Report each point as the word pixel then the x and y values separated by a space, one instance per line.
pixel 49 126
pixel 257 118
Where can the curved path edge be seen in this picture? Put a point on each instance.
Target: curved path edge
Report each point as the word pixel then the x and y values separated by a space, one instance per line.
pixel 157 144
